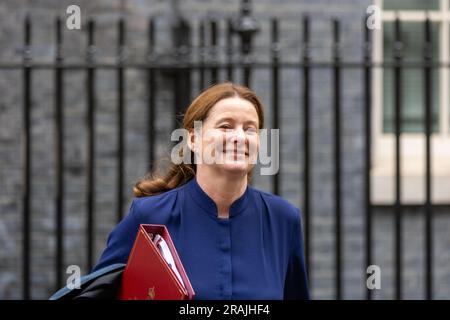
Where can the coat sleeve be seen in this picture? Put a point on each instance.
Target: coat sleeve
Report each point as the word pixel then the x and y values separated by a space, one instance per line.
pixel 296 282
pixel 120 240
pixel 104 287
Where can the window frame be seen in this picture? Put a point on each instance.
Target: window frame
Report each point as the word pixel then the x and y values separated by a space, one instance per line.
pixel 412 144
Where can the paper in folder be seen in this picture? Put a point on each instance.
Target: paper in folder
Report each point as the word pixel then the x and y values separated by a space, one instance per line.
pixel 154 270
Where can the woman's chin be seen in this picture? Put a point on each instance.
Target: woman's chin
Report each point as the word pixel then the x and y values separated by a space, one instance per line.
pixel 236 167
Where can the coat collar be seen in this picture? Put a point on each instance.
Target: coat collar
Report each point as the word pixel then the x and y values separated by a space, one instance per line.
pixel 203 200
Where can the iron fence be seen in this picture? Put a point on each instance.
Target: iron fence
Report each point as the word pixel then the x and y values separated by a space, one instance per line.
pixel 181 69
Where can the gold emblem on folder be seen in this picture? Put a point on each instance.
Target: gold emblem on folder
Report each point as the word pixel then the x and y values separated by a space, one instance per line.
pixel 151 293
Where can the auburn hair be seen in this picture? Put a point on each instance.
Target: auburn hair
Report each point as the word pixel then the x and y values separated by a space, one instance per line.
pixel 179 174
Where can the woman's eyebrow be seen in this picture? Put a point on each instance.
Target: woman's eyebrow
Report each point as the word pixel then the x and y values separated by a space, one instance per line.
pixel 225 119
pixel 232 120
pixel 252 122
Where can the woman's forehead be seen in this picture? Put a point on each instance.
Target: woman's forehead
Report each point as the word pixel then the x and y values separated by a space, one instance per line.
pixel 234 106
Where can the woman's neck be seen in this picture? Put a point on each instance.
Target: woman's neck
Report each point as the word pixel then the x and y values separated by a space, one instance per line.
pixel 222 189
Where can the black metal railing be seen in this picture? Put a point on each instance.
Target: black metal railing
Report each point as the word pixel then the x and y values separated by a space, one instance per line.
pixel 367 50
pixel 180 69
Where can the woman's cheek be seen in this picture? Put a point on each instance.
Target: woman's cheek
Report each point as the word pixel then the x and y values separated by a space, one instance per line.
pixel 253 149
pixel 212 145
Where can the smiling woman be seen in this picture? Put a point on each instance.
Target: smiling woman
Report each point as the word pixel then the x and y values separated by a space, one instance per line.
pixel 231 129
pixel 234 241
pixel 216 110
pixel 229 135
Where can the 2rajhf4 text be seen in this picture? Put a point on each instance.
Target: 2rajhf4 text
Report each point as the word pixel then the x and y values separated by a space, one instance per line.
pixel 227 309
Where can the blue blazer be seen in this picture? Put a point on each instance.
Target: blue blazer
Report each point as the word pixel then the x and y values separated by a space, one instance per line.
pixel 257 253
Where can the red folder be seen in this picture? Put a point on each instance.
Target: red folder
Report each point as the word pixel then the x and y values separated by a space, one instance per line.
pixel 147 275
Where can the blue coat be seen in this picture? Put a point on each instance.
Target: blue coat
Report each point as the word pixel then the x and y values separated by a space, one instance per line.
pixel 257 253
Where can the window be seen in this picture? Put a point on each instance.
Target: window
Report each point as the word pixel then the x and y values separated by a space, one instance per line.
pixel 412 14
pixel 413 81
pixel 411 5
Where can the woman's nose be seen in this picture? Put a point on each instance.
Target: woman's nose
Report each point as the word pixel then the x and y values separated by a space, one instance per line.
pixel 238 135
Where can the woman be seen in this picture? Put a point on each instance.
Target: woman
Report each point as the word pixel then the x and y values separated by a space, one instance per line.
pixel 235 242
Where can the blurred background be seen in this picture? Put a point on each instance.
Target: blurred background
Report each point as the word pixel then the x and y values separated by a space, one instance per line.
pixel 359 90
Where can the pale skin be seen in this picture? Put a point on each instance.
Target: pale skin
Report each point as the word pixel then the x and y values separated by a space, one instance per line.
pixel 231 123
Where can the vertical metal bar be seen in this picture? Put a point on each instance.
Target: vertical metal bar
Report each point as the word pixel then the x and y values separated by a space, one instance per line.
pixel 367 147
pixel 397 130
pixel 247 71
pixel 90 190
pixel 26 178
pixel 275 51
pixel 59 153
pixel 120 117
pixel 246 26
pixel 306 145
pixel 202 56
pixel 337 156
pixel 151 96
pixel 213 51
pixel 230 50
pixel 428 56
pixel 177 99
pixel 182 75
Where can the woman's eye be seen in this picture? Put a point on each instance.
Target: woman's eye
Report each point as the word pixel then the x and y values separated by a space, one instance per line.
pixel 225 126
pixel 251 130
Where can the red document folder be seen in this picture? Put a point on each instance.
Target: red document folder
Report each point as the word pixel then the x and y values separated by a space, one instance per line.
pixel 147 275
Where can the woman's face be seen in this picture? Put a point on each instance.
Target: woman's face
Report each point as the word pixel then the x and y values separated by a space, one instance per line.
pixel 230 136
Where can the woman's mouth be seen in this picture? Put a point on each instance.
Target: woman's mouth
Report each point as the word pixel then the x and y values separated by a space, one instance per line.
pixel 236 153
